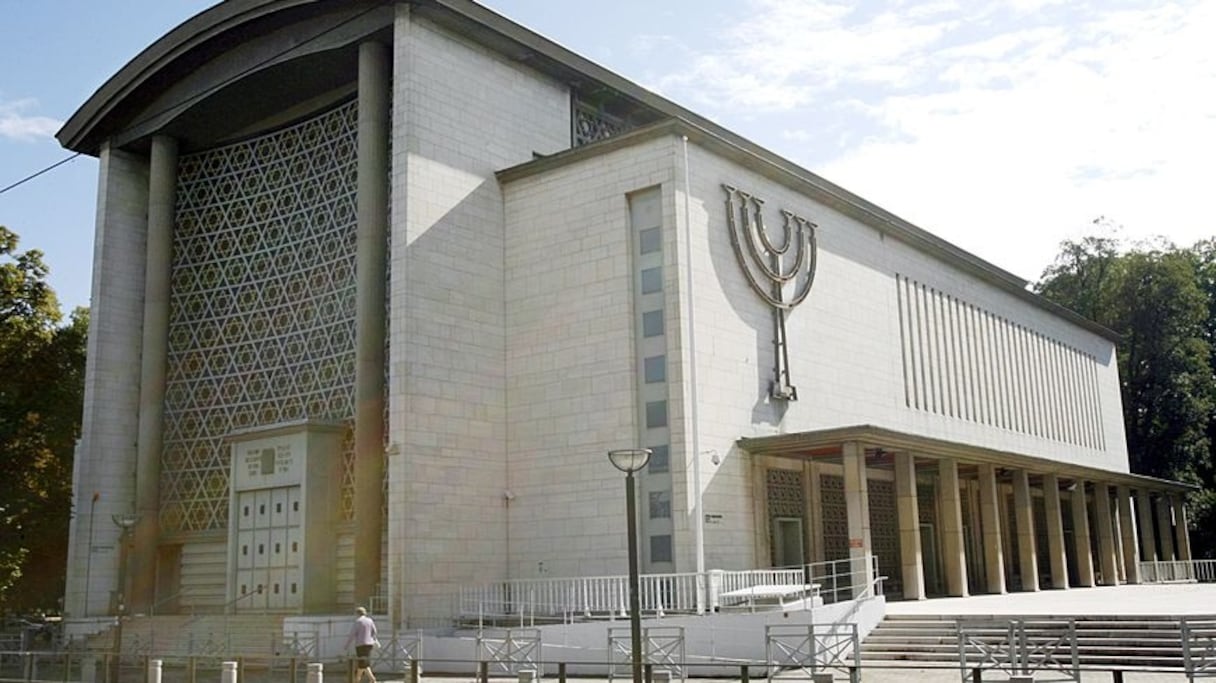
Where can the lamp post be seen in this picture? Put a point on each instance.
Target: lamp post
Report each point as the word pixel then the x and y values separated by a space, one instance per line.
pixel 630 460
pixel 125 523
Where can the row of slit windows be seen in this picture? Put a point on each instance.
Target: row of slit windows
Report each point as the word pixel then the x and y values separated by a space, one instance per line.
pixel 963 361
pixel 654 371
pixel 278 508
pixel 293 588
pixel 278 548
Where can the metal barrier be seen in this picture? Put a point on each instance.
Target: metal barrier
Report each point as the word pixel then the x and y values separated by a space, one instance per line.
pixel 398 652
pixel 1018 647
pixel 662 646
pixel 1178 571
pixel 509 650
pixel 1199 647
pixel 812 648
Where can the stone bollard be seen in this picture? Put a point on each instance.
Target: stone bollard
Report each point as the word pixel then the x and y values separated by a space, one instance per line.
pixel 661 676
pixel 228 672
pixel 821 677
pixel 154 670
pixel 527 675
pixel 1021 678
pixel 316 672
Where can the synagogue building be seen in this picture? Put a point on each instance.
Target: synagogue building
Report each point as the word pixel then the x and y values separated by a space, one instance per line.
pixel 378 284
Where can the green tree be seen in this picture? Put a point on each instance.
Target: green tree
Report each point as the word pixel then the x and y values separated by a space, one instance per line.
pixel 41 390
pixel 1160 300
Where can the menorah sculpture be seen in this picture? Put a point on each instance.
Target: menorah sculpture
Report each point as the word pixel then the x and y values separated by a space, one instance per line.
pixel 780 271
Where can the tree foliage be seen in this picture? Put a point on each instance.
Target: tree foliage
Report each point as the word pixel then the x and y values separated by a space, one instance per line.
pixel 41 389
pixel 1162 301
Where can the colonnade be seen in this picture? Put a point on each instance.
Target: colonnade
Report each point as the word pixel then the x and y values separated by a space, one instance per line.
pixel 1107 543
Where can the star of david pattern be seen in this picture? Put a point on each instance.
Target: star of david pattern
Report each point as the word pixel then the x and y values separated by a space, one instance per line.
pixel 262 302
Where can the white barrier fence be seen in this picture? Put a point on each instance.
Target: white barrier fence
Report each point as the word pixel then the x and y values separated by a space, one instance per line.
pixel 569 599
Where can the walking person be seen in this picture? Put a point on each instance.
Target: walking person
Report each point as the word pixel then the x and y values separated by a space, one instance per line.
pixel 363 636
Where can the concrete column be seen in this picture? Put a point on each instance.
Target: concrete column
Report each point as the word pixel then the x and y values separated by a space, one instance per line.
pixel 1165 527
pixel 162 190
pixel 104 467
pixel 1028 562
pixel 1107 558
pixel 857 506
pixel 1148 539
pixel 990 519
pixel 810 511
pixel 817 552
pixel 370 265
pixel 954 552
pixel 1080 536
pixel 908 507
pixel 1055 531
pixel 1127 527
pixel 1182 536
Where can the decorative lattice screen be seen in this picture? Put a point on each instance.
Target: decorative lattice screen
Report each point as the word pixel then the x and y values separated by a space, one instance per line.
pixel 262 320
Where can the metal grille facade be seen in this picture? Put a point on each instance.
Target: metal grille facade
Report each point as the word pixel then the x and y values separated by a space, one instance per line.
pixel 835 517
pixel 262 304
pixel 884 531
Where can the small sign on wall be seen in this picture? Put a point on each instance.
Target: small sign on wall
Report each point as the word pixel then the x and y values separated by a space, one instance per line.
pixel 713 518
pixel 856 543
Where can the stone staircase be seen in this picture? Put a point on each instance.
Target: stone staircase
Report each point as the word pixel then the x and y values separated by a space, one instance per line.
pixel 1103 642
pixel 211 635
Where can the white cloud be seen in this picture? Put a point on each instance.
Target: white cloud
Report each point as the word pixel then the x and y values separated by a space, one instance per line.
pixel 1002 128
pixel 15 125
pixel 1037 137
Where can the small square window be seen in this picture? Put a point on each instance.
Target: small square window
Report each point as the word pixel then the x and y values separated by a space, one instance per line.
pixel 652 280
pixel 659 457
pixel 660 548
pixel 650 240
pixel 652 324
pixel 655 369
pixel 656 414
pixel 660 505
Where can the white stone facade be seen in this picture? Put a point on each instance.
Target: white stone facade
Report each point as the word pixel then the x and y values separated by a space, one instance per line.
pixel 519 349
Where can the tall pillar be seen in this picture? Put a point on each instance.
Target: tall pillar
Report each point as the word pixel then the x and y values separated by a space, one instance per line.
pixel 954 552
pixel 857 506
pixel 1148 539
pixel 104 467
pixel 1127 525
pixel 816 498
pixel 1107 558
pixel 370 264
pixel 908 508
pixel 990 519
pixel 1028 562
pixel 1165 527
pixel 1055 531
pixel 1080 536
pixel 162 191
pixel 1182 536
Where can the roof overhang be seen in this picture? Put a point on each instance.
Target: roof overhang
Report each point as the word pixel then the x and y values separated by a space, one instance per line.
pixel 818 442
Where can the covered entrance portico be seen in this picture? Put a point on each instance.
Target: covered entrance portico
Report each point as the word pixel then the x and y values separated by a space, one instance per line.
pixel 950 519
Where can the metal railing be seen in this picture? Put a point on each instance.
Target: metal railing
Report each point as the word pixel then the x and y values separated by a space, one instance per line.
pixel 1018 647
pixel 526 601
pixel 1178 571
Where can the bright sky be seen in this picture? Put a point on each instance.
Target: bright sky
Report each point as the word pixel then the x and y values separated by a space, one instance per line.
pixel 1003 127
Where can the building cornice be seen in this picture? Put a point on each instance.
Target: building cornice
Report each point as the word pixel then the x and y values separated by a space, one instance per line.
pixel 799 444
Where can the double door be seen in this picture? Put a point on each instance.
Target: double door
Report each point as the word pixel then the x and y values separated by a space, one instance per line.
pixel 268 550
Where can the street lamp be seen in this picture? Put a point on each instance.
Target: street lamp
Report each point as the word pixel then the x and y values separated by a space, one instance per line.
pixel 125 523
pixel 630 460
